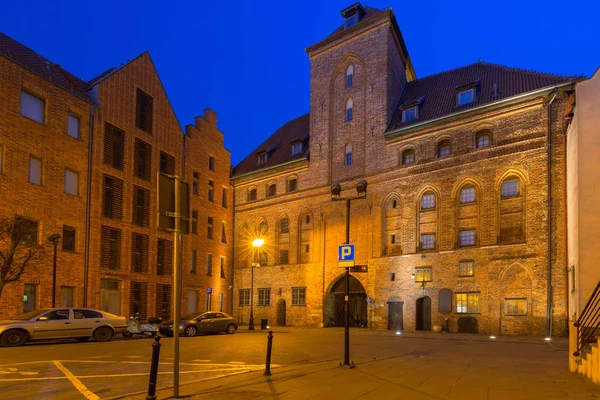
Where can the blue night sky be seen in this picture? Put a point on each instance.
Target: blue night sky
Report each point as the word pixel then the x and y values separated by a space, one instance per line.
pixel 246 59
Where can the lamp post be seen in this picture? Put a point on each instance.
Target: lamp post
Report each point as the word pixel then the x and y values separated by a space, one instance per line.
pixel 361 190
pixel 54 240
pixel 256 244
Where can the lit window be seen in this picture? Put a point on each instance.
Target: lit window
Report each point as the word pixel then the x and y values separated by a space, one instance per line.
pixel 466 268
pixel 296 148
pixel 71 182
pixel 443 149
pixel 349 110
pixel 348 158
pixel 32 107
pixel 298 296
pixel 349 75
pixel 510 187
pixel 428 241
pixel 465 97
pixel 467 303
pixel 408 157
pixel 35 171
pixel 409 114
pixel 515 306
pixel 467 238
pixel 467 194
pixel 423 274
pixel 428 201
pixel 73 126
pixel 483 140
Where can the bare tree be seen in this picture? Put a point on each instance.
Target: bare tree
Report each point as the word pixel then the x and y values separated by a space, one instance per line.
pixel 18 248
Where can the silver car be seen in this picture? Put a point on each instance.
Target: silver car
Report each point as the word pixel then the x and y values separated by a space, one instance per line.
pixel 61 323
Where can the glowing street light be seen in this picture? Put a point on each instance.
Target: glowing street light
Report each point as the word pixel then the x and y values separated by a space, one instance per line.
pixel 256 244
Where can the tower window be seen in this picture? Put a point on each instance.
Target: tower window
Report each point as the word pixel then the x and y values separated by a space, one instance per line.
pixel 349 110
pixel 349 75
pixel 348 159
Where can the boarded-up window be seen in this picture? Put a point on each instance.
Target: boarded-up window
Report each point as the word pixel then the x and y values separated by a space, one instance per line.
pixel 164 257
pixel 143 111
pixel 112 197
pixel 167 163
pixel 163 301
pixel 138 300
pixel 139 253
pixel 110 248
pixel 142 162
pixel 141 206
pixel 445 301
pixel 114 146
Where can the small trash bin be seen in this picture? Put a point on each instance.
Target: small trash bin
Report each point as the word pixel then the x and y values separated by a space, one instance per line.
pixel 264 323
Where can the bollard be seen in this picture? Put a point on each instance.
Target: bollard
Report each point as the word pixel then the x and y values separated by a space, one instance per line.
pixel 269 346
pixel 154 369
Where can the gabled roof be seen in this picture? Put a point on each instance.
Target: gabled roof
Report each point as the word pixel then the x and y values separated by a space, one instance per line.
pixel 492 82
pixel 369 12
pixel 279 145
pixel 46 69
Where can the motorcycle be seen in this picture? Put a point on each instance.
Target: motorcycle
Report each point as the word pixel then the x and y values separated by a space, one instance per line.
pixel 135 328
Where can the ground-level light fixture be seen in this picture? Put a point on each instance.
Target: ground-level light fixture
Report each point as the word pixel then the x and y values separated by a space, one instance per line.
pixel 398 333
pixel 548 339
pixel 492 337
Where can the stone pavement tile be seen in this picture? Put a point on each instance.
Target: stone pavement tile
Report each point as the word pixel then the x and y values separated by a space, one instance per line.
pixel 390 391
pixel 507 394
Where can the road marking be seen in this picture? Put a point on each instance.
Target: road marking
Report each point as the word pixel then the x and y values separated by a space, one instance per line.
pixel 134 356
pixel 34 379
pixel 76 382
pixel 162 373
pixel 236 362
pixel 201 360
pixel 100 357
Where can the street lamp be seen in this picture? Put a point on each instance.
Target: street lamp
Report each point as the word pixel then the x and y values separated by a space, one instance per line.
pixel 361 190
pixel 54 239
pixel 256 244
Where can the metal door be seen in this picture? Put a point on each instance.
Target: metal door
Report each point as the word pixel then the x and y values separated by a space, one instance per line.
pixel 281 312
pixel 423 314
pixel 395 316
pixel 192 298
pixel 110 296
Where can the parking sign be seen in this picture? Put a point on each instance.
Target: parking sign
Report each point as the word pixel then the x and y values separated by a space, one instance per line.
pixel 346 255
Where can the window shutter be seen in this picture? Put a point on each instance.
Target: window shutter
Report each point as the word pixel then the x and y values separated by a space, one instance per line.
pixel 163 301
pixel 110 248
pixel 142 160
pixel 139 253
pixel 144 111
pixel 112 202
pixel 138 299
pixel 141 206
pixel 114 146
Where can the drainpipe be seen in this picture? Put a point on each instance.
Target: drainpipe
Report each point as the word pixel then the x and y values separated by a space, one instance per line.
pixel 549 272
pixel 86 262
pixel 233 244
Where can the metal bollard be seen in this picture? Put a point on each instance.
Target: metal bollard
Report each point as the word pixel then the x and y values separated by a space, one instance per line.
pixel 154 369
pixel 269 346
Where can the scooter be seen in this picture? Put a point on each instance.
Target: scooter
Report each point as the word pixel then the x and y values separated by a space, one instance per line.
pixel 135 328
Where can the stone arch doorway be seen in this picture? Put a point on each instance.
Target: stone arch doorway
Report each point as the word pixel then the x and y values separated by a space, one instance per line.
pixel 334 311
pixel 423 314
pixel 281 310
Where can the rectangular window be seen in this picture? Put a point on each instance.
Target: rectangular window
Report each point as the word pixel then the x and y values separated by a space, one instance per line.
pixel 222 267
pixel 73 126
pixel 143 111
pixel 466 268
pixel 211 191
pixel 35 171
pixel 264 297
pixel 209 263
pixel 427 241
pixel 164 257
pixel 244 297
pixel 292 185
pixel 28 229
pixel 71 183
pixel 393 238
pixel 423 274
pixel 68 238
pixel 193 266
pixel 209 228
pixel 467 302
pixel 298 296
pixel 110 248
pixel 224 198
pixel 112 197
pixel 283 257
pixel 510 188
pixel 296 148
pixel 515 306
pixel 167 163
pixel 139 253
pixel 409 114
pixel 196 183
pixel 67 296
pixel 307 248
pixel 428 201
pixel 348 114
pixel 467 238
pixel 163 301
pixel 251 194
pixel 29 297
pixel 141 206
pixel 348 159
pixel 195 222
pixel 284 225
pixel 32 107
pixel 271 190
pixel 223 234
pixel 138 299
pixel 262 158
pixel 465 97
pixel 467 195
pixel 211 163
pixel 114 146
pixel 142 162
pixel 262 258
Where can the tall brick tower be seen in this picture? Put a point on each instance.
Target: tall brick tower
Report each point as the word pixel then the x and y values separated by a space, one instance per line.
pixel 357 76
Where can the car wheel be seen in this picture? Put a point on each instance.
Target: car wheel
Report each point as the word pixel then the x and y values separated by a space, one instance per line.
pixel 103 334
pixel 13 337
pixel 231 329
pixel 190 331
pixel 127 334
pixel 82 339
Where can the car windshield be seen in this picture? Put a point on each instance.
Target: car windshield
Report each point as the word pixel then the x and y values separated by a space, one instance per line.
pixel 190 316
pixel 29 315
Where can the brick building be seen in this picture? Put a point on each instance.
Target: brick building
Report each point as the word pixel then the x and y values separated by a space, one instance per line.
pixel 463 222
pixel 116 132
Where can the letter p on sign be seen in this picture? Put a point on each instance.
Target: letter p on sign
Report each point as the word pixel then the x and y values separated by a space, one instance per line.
pixel 346 255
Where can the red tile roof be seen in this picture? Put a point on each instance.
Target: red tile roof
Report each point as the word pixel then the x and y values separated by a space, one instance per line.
pixel 438 92
pixel 280 146
pixel 29 59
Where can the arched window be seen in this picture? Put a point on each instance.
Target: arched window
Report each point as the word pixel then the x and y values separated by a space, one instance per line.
pixel 292 185
pixel 349 110
pixel 271 190
pixel 284 225
pixel 348 157
pixel 408 156
pixel 482 139
pixel 427 218
pixel 512 211
pixel 443 148
pixel 263 228
pixel 392 222
pixel 428 201
pixel 251 194
pixel 467 194
pixel 349 75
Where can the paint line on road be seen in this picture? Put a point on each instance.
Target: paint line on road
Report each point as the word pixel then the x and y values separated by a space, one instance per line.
pixel 236 362
pixel 100 357
pixel 134 356
pixel 201 360
pixel 163 373
pixel 76 382
pixel 48 378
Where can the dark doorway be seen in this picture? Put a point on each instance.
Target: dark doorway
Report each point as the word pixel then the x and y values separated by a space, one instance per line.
pixel 334 312
pixel 467 325
pixel 423 314
pixel 395 311
pixel 281 312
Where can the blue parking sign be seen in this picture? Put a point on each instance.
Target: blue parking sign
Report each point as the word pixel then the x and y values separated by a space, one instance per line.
pixel 346 252
pixel 209 290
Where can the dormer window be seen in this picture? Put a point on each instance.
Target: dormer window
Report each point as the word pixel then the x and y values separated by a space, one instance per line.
pixel 465 97
pixel 349 75
pixel 352 15
pixel 296 148
pixel 410 114
pixel 262 158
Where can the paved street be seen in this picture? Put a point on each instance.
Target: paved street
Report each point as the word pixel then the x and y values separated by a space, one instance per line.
pixel 409 366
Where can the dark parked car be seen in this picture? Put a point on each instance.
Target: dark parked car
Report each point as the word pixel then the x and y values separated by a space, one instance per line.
pixel 207 322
